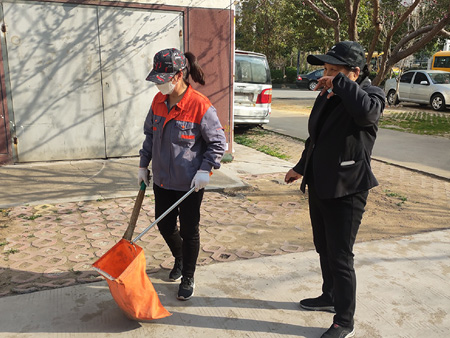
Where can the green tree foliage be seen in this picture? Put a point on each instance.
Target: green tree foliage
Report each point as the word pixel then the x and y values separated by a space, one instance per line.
pixel 397 28
pixel 277 28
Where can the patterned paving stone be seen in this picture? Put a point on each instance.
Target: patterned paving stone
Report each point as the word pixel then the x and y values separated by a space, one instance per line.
pixel 247 254
pixel 103 243
pixel 51 246
pixel 263 217
pixel 99 234
pixel 224 238
pixel 116 217
pixel 166 258
pixel 46 225
pixel 50 251
pixel 54 272
pixel 44 242
pixel 116 225
pixel 45 208
pixel 91 214
pixel 96 227
pixel 24 277
pixel 75 237
pixel 291 248
pixel 91 220
pixel 222 256
pixel 25 265
pixel 81 257
pixel 58 283
pixel 16 245
pixel 78 247
pixel 45 233
pixel 25 288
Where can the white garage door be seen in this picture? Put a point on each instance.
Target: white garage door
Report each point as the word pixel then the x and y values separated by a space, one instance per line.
pixel 128 42
pixel 77 77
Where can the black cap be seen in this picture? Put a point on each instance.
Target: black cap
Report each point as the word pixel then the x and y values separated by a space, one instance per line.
pixel 348 53
pixel 166 64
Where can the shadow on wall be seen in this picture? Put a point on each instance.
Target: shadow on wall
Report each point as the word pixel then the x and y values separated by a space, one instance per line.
pixel 77 76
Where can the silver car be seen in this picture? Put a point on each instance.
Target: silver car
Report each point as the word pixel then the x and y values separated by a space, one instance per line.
pixel 252 89
pixel 420 86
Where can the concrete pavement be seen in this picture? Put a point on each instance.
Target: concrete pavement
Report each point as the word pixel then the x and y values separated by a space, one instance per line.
pixel 428 154
pixel 402 292
pixel 402 283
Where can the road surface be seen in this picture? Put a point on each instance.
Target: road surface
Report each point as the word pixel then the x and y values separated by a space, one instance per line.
pixel 429 154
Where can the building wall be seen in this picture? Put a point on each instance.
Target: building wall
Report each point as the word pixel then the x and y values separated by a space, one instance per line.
pixel 5 137
pixel 207 31
pixel 210 38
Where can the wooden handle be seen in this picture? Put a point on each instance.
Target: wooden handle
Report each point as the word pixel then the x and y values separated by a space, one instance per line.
pixel 135 214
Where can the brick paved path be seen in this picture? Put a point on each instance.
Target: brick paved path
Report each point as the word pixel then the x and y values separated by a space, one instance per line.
pixel 54 245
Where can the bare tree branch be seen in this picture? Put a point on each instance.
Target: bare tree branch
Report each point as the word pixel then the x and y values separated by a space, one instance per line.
pixel 378 26
pixel 331 8
pixel 410 36
pixel 388 41
pixel 444 33
pixel 352 13
pixel 335 23
pixel 422 42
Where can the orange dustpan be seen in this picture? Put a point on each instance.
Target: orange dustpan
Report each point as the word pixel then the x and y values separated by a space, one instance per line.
pixel 124 267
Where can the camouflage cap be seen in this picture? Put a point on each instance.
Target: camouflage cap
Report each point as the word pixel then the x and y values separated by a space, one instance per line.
pixel 166 64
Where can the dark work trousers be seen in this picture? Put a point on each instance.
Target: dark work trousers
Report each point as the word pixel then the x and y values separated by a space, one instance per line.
pixel 335 223
pixel 185 242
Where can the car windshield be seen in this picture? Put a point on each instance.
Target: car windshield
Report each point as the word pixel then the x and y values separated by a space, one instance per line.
pixel 252 69
pixel 318 73
pixel 440 78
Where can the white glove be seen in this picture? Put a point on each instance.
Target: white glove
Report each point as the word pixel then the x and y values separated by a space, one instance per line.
pixel 143 175
pixel 200 180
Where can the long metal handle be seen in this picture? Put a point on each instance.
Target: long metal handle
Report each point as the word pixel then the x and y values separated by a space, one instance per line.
pixel 163 215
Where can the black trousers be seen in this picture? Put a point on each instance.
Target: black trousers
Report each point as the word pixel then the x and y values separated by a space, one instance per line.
pixel 335 223
pixel 185 242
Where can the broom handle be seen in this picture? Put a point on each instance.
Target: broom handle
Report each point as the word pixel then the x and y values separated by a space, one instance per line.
pixel 163 215
pixel 135 214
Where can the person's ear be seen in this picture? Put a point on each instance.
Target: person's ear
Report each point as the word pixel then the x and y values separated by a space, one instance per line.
pixel 354 73
pixel 357 71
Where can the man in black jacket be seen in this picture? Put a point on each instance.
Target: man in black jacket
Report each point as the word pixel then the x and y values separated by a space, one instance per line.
pixel 335 166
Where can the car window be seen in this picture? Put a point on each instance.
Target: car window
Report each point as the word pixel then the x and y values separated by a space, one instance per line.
pixel 440 78
pixel 252 70
pixel 420 77
pixel 407 77
pixel 319 73
pixel 441 62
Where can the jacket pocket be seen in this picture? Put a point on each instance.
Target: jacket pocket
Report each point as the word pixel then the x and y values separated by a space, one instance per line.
pixel 185 133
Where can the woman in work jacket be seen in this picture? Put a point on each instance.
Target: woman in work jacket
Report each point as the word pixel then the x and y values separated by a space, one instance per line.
pixel 184 140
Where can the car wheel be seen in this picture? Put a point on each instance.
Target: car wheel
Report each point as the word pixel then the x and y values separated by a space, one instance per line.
pixel 437 102
pixel 391 99
pixel 312 84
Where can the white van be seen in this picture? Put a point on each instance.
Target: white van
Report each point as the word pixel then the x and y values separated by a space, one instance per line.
pixel 252 89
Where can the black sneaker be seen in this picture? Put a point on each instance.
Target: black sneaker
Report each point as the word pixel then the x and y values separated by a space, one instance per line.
pixel 320 303
pixel 175 274
pixel 336 331
pixel 186 289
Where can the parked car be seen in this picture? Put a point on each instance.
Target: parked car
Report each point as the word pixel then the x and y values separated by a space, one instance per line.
pixel 252 89
pixel 309 80
pixel 420 86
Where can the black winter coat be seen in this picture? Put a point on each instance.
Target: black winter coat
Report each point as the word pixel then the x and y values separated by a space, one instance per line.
pixel 342 132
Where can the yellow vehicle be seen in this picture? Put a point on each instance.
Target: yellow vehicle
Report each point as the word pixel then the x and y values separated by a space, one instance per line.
pixel 441 61
pixel 375 60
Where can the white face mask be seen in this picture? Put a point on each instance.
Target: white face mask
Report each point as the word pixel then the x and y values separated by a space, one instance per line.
pixel 166 88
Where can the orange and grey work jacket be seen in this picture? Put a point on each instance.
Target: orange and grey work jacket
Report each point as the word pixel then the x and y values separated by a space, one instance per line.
pixel 181 141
